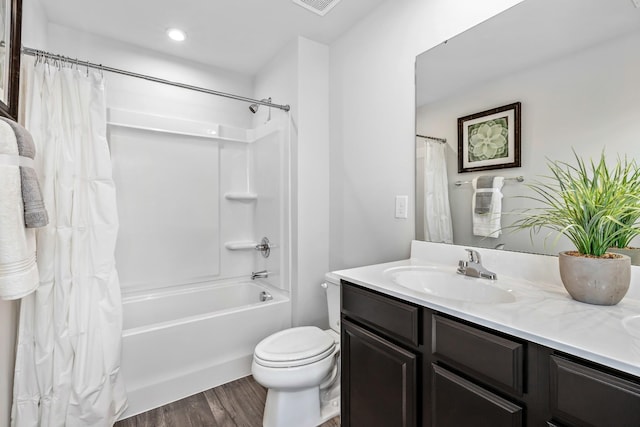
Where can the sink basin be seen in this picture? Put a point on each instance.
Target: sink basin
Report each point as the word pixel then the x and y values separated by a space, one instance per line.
pixel 446 283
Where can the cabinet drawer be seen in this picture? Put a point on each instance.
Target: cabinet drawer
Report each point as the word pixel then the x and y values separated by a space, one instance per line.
pixel 488 357
pixel 458 402
pixel 393 317
pixel 584 396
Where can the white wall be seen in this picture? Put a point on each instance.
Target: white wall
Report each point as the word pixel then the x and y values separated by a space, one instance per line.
pixel 558 98
pixel 155 98
pixel 298 76
pixel 372 111
pixel 313 182
pixel 34 24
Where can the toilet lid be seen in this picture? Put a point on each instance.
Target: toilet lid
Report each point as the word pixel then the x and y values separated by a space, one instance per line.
pixel 294 347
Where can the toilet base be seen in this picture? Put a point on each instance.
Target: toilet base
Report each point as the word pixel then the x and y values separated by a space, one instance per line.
pixel 299 408
pixel 330 409
pixel 302 408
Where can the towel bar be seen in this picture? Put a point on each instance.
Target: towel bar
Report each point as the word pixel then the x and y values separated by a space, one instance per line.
pixel 513 178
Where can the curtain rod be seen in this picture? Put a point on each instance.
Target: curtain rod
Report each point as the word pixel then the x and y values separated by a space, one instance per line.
pixel 433 138
pixel 37 52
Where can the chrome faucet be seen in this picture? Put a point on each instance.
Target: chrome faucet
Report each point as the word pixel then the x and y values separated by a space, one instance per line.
pixel 259 275
pixel 473 267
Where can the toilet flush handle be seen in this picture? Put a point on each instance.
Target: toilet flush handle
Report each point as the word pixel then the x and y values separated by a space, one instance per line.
pixel 324 285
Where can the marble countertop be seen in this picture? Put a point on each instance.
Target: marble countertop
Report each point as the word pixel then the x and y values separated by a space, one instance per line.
pixel 543 312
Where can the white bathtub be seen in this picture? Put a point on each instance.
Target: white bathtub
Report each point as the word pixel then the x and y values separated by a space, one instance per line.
pixel 180 342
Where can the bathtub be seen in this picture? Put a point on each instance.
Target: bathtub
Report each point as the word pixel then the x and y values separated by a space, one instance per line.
pixel 180 342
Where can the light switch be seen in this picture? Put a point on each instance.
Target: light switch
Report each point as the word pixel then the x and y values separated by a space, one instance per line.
pixel 402 206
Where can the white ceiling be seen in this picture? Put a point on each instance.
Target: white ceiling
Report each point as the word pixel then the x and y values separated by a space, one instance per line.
pixel 523 36
pixel 239 35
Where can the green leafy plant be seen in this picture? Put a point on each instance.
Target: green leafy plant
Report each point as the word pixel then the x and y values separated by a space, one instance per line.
pixel 595 206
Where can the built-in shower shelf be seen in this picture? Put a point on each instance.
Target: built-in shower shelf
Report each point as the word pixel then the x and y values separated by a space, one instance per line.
pixel 241 245
pixel 241 197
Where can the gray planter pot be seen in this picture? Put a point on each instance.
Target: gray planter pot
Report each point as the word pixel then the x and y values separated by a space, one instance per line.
pixel 601 281
pixel 633 253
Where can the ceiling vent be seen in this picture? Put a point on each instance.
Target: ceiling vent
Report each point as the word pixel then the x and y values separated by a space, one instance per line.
pixel 321 7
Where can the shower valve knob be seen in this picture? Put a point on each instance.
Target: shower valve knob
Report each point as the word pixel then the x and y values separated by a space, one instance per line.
pixel 264 247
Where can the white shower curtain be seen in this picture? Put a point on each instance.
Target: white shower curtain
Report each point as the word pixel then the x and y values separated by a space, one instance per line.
pixel 69 340
pixel 437 211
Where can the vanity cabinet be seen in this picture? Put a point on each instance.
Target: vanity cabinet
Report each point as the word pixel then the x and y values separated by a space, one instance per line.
pixel 380 360
pixel 407 365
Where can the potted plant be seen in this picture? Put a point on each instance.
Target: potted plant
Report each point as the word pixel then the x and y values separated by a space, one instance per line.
pixel 628 227
pixel 596 207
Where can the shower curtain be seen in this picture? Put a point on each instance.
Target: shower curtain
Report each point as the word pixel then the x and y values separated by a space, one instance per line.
pixel 69 339
pixel 437 211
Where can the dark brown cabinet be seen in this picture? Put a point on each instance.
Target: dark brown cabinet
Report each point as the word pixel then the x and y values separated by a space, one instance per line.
pixel 380 358
pixel 379 383
pixel 458 402
pixel 487 356
pixel 582 395
pixel 407 365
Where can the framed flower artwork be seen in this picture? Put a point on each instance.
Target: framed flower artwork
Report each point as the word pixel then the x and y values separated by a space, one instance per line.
pixel 489 139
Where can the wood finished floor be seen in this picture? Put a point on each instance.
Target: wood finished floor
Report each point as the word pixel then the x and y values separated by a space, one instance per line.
pixel 236 404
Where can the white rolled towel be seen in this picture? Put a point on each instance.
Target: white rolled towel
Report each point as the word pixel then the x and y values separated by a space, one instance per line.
pixel 18 269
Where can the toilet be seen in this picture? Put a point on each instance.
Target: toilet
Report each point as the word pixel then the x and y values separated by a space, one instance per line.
pixel 300 367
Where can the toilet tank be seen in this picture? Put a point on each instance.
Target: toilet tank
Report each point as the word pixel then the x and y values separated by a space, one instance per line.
pixel 332 286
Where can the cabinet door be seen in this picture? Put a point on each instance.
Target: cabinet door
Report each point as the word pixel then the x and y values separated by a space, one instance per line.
pixel 458 402
pixel 584 396
pixel 378 381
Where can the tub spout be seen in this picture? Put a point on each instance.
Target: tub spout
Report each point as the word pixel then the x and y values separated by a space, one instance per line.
pixel 259 275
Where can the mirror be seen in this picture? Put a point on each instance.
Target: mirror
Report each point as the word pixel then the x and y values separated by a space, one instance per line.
pixel 574 67
pixel 10 29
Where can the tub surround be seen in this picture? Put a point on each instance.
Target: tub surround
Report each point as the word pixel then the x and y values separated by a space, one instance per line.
pixel 542 312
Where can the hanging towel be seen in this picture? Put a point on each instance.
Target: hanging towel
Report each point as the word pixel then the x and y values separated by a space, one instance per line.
pixel 486 206
pixel 35 214
pixel 483 197
pixel 18 270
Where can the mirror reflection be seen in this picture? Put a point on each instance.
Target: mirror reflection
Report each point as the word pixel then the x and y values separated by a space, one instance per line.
pixel 573 65
pixel 5 26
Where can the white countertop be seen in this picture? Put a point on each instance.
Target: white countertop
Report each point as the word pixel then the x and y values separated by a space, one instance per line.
pixel 543 312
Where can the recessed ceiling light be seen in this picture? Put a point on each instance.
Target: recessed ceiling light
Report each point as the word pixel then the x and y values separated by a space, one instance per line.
pixel 176 34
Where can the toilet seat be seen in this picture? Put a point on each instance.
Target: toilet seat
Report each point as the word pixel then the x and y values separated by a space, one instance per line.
pixel 294 347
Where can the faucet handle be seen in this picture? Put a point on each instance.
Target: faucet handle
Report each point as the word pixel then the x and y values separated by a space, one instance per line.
pixel 462 267
pixel 474 256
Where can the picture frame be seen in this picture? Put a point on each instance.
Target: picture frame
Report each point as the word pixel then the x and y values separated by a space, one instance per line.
pixel 10 45
pixel 490 139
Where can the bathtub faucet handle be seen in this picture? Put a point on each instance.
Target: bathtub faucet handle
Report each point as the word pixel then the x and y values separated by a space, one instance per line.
pixel 259 275
pixel 265 247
